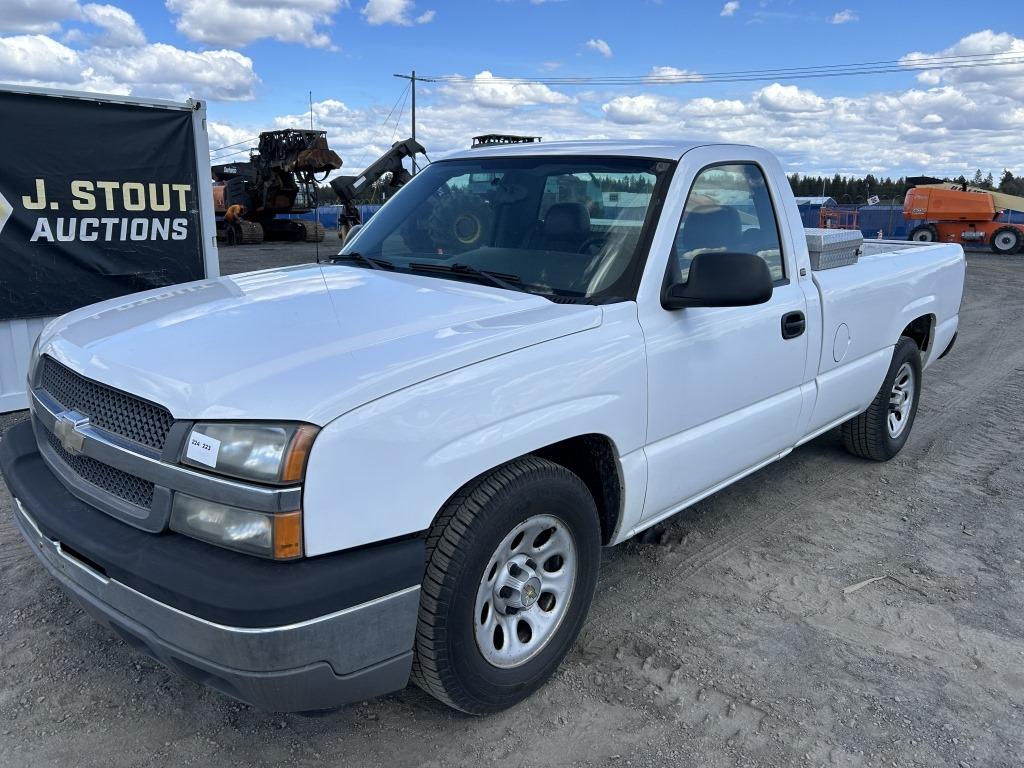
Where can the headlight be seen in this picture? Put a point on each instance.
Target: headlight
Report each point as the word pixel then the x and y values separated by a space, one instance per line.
pixel 277 536
pixel 264 453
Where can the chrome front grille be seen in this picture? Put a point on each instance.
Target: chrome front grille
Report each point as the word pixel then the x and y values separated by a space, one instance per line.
pixel 116 412
pixel 124 486
pixel 107 448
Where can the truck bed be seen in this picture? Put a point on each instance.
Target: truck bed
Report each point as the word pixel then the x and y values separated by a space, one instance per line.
pixel 881 247
pixel 866 306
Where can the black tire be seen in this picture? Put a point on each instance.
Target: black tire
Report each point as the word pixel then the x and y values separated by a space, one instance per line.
pixel 449 664
pixel 1006 241
pixel 924 233
pixel 460 222
pixel 868 435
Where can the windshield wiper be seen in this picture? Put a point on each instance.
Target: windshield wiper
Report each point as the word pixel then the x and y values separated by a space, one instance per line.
pixel 497 279
pixel 370 261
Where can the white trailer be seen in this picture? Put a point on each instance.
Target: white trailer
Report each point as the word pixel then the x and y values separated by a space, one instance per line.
pixel 78 221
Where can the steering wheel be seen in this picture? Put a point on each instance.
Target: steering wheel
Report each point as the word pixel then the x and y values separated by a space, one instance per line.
pixel 589 244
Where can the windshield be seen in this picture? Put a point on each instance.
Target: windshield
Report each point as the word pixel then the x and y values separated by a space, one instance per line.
pixel 564 227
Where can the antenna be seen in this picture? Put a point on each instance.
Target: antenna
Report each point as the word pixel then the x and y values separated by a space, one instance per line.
pixel 316 193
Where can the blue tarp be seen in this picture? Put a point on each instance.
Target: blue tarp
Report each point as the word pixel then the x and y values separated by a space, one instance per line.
pixel 871 218
pixel 887 218
pixel 328 214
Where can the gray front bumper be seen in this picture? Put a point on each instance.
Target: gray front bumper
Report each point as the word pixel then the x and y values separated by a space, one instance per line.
pixel 326 662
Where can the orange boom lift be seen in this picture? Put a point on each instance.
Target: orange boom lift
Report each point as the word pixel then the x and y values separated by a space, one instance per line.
pixel 960 216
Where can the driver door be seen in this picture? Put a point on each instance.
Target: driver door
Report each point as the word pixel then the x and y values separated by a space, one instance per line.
pixel 724 382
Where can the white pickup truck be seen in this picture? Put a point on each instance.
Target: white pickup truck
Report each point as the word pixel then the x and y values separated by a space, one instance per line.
pixel 303 486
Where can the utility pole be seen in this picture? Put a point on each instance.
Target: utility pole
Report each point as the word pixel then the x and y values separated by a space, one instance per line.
pixel 412 84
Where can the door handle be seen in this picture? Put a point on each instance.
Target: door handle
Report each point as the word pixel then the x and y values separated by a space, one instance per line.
pixel 793 325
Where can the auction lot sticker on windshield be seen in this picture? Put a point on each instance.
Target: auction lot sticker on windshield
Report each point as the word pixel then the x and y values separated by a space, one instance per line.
pixel 203 448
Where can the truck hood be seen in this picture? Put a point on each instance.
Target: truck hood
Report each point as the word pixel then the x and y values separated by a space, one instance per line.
pixel 305 343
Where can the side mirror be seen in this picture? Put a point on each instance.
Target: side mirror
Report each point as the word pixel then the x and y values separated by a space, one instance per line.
pixel 721 279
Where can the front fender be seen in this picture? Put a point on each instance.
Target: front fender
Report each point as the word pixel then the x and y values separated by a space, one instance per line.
pixel 385 469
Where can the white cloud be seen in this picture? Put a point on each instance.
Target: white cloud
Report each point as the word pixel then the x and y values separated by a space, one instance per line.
pixel 639 110
pixel 240 22
pixel 599 45
pixel 36 15
pixel 843 17
pixel 730 8
pixel 161 69
pixel 1005 78
pixel 229 143
pixel 708 107
pixel 119 27
pixel 37 59
pixel 485 91
pixel 932 128
pixel 225 137
pixel 157 70
pixel 675 74
pixel 788 98
pixel 398 12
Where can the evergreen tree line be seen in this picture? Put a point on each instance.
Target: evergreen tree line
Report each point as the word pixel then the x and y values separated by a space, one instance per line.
pixel 852 189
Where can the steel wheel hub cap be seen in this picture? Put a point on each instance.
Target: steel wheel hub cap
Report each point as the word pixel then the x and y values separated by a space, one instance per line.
pixel 525 591
pixel 901 400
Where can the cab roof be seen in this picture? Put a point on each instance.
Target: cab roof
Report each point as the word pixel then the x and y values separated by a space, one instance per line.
pixel 661 150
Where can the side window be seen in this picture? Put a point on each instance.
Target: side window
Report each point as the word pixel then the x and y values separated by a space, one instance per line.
pixel 729 209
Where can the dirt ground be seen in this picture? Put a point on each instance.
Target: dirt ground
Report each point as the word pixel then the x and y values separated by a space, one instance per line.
pixel 245 258
pixel 725 637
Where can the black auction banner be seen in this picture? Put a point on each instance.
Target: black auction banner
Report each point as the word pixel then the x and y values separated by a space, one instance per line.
pixel 97 200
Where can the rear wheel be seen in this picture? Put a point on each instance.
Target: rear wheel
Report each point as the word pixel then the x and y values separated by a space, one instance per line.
pixel 512 565
pixel 924 233
pixel 882 430
pixel 1006 241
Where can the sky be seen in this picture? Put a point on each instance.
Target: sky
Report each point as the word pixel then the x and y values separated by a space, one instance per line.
pixel 256 61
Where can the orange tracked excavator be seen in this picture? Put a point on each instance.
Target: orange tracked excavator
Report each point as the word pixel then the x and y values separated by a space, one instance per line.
pixel 955 214
pixel 280 177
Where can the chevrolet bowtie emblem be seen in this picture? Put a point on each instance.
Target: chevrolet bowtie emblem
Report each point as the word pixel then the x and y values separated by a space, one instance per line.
pixel 67 429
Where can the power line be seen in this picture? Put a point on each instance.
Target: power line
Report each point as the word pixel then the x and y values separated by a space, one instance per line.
pixel 938 62
pixel 383 122
pixel 236 144
pixel 230 154
pixel 398 120
pixel 921 64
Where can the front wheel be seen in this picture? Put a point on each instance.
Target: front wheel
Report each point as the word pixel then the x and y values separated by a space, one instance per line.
pixel 882 430
pixel 512 564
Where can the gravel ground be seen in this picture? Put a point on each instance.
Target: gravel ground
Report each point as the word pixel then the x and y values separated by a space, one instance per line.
pixel 245 258
pixel 723 637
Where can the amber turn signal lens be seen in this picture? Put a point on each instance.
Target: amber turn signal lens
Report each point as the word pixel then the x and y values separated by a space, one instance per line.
pixel 298 454
pixel 287 535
